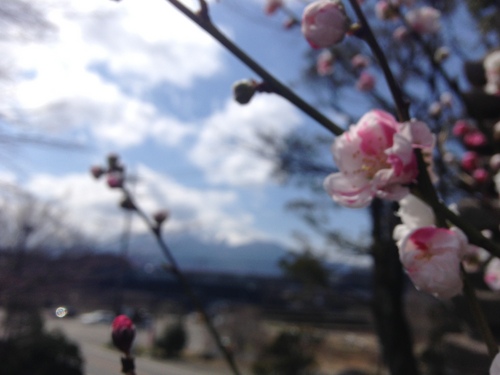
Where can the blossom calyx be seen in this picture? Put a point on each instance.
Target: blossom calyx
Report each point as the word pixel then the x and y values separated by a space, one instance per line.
pixel 123 333
pixel 325 23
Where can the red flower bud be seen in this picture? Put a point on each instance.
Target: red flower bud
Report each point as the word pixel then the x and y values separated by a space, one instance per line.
pixel 469 161
pixel 123 333
pixel 115 180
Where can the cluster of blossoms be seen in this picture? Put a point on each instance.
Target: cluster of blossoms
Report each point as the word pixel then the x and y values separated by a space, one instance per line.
pixel 475 161
pixel 376 156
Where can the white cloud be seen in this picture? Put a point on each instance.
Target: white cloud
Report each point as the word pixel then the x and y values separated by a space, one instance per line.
pixel 103 57
pixel 226 146
pixel 92 206
pixel 147 41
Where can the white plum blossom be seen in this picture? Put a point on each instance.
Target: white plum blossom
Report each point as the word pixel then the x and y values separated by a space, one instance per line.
pixel 325 23
pixel 492 274
pixel 375 158
pixel 424 20
pixel 491 65
pixel 431 257
pixel 495 365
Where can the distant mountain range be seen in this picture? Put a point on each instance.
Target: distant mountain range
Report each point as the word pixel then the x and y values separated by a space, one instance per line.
pixel 195 254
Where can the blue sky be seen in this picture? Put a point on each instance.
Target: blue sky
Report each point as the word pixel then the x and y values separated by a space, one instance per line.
pixel 139 79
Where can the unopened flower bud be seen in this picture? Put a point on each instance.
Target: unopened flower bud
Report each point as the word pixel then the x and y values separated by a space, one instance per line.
pixel 115 180
pixel 160 216
pixel 469 161
pixel 480 175
pixel 366 82
pixel 97 171
pixel 325 23
pixel 435 109
pixel 290 22
pixel 244 90
pixel 324 63
pixel 461 128
pixel 123 333
pixel 360 61
pixel 272 6
pixel 441 54
pixel 475 139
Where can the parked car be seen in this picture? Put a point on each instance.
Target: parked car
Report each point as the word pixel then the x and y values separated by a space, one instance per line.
pixel 97 316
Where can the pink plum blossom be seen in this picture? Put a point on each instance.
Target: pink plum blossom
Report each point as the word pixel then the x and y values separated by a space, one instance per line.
pixel 272 6
pixel 469 161
pixel 324 63
pixel 366 82
pixel 123 333
pixel 375 159
pixel 325 23
pixel 475 138
pixel 495 365
pixel 461 128
pixel 492 274
pixel 431 257
pixel 424 20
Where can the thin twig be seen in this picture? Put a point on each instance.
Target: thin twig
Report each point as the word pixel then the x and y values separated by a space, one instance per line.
pixel 277 87
pixel 478 315
pixel 174 267
pixel 402 106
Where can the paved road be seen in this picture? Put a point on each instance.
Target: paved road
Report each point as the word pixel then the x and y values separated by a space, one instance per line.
pixel 101 360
